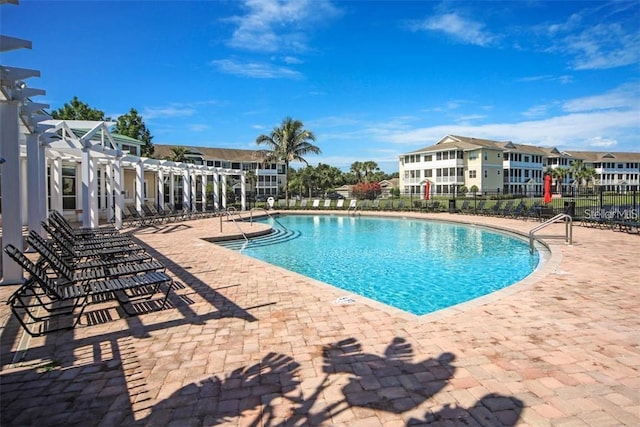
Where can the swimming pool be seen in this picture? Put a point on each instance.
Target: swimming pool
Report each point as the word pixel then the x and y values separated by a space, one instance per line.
pixel 415 265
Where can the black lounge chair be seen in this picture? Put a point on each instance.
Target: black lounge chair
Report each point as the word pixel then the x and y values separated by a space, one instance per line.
pixel 57 218
pixel 65 301
pixel 37 241
pixel 91 251
pixel 80 274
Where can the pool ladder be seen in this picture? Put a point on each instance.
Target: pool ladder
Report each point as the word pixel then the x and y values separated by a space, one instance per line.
pixel 568 228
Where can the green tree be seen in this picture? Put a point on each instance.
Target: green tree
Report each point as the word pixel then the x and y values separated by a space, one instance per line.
pixel 288 143
pixel 178 154
pixel 132 125
pixel 369 169
pixel 558 175
pixel 581 173
pixel 77 110
pixel 328 177
pixel 357 169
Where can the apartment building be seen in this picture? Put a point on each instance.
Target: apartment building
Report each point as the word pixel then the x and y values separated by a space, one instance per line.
pixel 269 178
pixel 507 167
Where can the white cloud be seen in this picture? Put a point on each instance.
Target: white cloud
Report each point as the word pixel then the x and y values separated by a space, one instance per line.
pixel 259 70
pixel 462 29
pixel 601 142
pixel 150 113
pixel 277 25
pixel 600 37
pixel 196 127
pixel 603 46
pixel 626 96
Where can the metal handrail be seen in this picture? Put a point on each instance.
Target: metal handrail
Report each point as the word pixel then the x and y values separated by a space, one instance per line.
pixel 229 214
pixel 568 232
pixel 268 214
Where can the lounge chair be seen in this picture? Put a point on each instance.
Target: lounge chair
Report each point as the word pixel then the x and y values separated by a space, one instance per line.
pixel 327 204
pixel 303 204
pixel 37 241
pixel 60 298
pixel 376 204
pixel 80 274
pixel 292 203
pixel 340 204
pixel 57 218
pixel 316 203
pixel 91 250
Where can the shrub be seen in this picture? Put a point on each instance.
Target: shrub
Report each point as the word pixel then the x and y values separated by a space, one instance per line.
pixel 366 190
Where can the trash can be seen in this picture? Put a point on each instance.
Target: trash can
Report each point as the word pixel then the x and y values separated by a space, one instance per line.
pixel 452 206
pixel 570 208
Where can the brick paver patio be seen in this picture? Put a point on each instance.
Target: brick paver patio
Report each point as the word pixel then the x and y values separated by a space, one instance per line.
pixel 245 343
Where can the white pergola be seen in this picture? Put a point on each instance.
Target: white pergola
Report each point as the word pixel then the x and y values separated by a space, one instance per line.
pixel 99 155
pixel 30 142
pixel 18 128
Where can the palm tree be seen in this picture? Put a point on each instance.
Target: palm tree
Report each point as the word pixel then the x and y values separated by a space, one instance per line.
pixel 558 174
pixel 288 143
pixel 178 154
pixel 369 168
pixel 357 169
pixel 582 173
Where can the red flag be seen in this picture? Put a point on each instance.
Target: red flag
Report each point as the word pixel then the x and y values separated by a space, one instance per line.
pixel 427 190
pixel 547 188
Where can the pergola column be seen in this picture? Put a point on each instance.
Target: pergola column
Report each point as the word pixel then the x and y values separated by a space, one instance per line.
pixel 11 191
pixel 56 184
pixel 185 189
pixel 243 191
pixel 172 188
pixel 108 190
pixel 89 189
pixel 160 186
pixel 102 187
pixel 139 185
pixel 224 191
pixel 216 191
pixel 35 181
pixel 193 181
pixel 117 189
pixel 203 183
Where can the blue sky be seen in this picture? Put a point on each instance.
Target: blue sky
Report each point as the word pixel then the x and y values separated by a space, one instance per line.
pixel 371 79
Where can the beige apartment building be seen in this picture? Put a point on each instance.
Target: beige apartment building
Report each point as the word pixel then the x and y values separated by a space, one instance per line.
pixel 506 167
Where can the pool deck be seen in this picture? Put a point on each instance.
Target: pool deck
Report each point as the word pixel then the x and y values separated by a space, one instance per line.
pixel 244 343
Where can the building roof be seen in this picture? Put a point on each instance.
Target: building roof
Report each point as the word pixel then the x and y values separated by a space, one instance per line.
pixel 523 148
pixel 452 142
pixel 210 153
pixel 604 156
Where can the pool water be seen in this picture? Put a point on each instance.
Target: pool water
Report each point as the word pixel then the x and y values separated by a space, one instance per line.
pixel 418 266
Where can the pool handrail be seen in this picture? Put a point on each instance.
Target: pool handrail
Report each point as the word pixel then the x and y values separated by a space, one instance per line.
pixel 568 220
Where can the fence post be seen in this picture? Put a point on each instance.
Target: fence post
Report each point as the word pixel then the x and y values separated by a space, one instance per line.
pixel 601 196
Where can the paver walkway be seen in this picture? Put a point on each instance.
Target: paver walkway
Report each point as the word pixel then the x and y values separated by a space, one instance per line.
pixel 245 343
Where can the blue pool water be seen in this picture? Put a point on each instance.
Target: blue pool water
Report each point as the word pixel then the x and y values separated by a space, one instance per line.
pixel 415 265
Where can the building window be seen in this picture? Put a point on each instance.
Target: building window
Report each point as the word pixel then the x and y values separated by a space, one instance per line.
pixel 428 158
pixel 526 159
pixel 428 173
pixel 498 171
pixel 485 156
pixel 473 155
pixel 472 174
pixel 486 174
pixel 69 188
pixel 438 156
